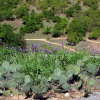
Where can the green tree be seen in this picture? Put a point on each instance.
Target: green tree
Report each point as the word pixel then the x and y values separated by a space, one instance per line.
pixel 46 30
pixel 8 36
pixel 95 34
pixel 21 11
pixel 56 19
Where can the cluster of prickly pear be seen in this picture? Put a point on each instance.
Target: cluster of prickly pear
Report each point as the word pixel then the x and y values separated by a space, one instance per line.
pixel 42 87
pixel 12 78
pixel 60 80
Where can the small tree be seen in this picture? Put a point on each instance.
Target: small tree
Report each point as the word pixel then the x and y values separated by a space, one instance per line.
pixel 95 34
pixel 21 11
pixel 46 30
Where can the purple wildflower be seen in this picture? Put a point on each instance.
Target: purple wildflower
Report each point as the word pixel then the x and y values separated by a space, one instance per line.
pixel 54 49
pixel 46 50
pixel 34 46
pixel 58 49
pixel 6 47
pixel 12 47
pixel 69 43
pixel 84 49
pixel 62 44
pixel 20 49
pixel 75 49
pixel 95 52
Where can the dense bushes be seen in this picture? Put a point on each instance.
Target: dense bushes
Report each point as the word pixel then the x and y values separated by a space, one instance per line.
pixel 71 10
pixel 32 23
pixel 8 36
pixel 58 29
pixel 54 4
pixel 95 34
pixel 56 19
pixel 46 30
pixel 91 3
pixel 76 31
pixel 48 14
pixel 89 19
pixel 21 11
pixel 6 9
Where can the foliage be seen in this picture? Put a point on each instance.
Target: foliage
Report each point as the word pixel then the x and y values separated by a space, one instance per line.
pixel 50 69
pixel 46 30
pixel 58 29
pixel 77 30
pixel 21 11
pixel 48 14
pixel 54 4
pixel 94 16
pixel 11 78
pixel 91 3
pixel 32 23
pixel 69 12
pixel 95 34
pixel 8 36
pixel 6 7
pixel 56 19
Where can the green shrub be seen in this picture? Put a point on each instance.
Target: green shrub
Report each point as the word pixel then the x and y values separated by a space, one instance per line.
pixel 95 34
pixel 21 11
pixel 46 30
pixel 71 10
pixel 32 23
pixel 48 14
pixel 56 19
pixel 8 36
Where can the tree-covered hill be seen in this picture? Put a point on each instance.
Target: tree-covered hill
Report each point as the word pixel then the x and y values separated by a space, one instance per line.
pixel 83 21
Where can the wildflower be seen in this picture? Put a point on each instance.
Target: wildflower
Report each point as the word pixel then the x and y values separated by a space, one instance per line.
pixel 6 47
pixel 20 49
pixel 62 44
pixel 58 49
pixel 75 49
pixel 12 47
pixel 69 43
pixel 34 46
pixel 95 52
pixel 84 49
pixel 54 49
pixel 28 42
pixel 46 50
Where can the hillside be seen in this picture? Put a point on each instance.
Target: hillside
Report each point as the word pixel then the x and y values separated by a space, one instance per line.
pixel 74 19
pixel 49 49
